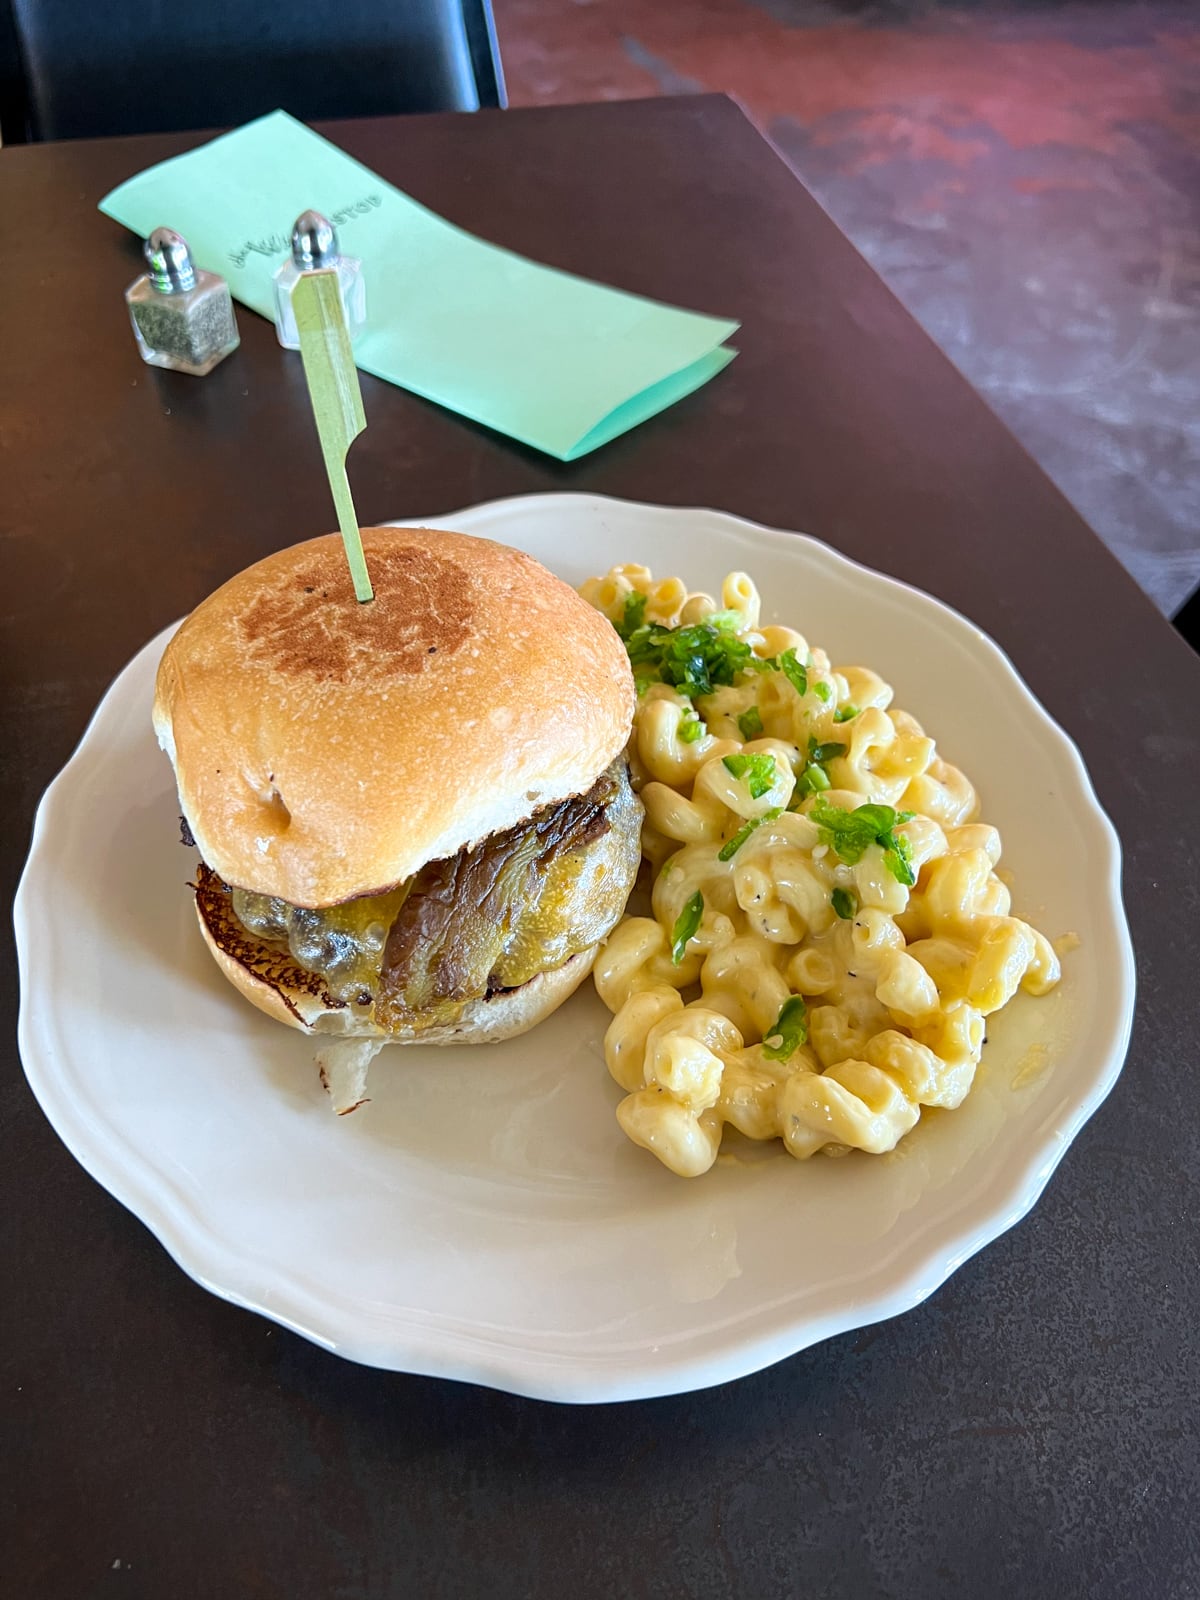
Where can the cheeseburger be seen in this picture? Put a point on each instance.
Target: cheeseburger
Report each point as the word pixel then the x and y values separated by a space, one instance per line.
pixel 414 813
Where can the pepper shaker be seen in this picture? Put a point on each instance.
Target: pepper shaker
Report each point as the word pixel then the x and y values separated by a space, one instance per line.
pixel 314 247
pixel 182 316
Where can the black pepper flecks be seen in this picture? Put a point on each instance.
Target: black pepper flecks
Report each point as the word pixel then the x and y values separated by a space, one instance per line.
pixel 190 332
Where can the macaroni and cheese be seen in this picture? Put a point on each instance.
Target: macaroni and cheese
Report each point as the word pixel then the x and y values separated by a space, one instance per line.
pixel 829 932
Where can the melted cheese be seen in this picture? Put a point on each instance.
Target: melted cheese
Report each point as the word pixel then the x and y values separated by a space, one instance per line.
pixel 344 943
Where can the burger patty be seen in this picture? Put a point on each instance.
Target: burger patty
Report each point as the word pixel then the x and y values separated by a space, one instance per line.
pixel 486 920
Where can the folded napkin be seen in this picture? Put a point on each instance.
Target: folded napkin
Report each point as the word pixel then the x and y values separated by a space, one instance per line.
pixel 551 359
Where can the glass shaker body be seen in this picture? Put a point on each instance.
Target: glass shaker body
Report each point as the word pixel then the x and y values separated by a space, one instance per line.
pixel 351 285
pixel 187 330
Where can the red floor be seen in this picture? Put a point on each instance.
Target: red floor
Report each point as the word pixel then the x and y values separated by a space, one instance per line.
pixel 1025 176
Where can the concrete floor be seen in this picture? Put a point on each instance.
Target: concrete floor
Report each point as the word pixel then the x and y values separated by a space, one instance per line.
pixel 1025 176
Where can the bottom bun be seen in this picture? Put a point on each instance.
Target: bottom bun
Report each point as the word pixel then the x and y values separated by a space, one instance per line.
pixel 271 980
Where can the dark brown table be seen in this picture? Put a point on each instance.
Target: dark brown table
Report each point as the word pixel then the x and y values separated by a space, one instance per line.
pixel 1032 1429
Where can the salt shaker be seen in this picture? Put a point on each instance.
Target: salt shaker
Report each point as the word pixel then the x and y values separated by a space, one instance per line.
pixel 182 316
pixel 315 246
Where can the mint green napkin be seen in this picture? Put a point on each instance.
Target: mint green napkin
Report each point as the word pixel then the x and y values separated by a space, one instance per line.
pixel 556 361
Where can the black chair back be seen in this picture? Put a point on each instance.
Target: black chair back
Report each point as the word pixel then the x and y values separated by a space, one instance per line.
pixel 72 69
pixel 1187 619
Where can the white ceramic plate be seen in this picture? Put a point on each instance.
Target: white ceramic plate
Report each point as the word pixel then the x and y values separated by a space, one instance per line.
pixel 483 1218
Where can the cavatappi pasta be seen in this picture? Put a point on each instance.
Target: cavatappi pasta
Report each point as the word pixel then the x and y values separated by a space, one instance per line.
pixel 823 893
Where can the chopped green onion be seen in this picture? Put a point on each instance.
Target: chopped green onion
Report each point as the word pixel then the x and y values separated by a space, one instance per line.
pixel 757 769
pixel 880 817
pixel 726 621
pixel 849 834
pixel 897 858
pixel 794 671
pixel 790 1030
pixel 691 728
pixel 846 833
pixel 823 692
pixel 844 904
pixel 845 713
pixel 750 723
pixel 693 659
pixel 634 615
pixel 812 780
pixel 685 926
pixel 731 846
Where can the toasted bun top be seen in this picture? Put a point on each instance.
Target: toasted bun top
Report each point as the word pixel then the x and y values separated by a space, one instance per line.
pixel 325 749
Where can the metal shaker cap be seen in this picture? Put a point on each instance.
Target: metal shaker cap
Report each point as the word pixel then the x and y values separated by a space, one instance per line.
pixel 314 241
pixel 170 261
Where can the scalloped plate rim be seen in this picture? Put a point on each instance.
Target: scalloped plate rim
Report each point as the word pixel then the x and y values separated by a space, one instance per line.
pixel 441 1350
